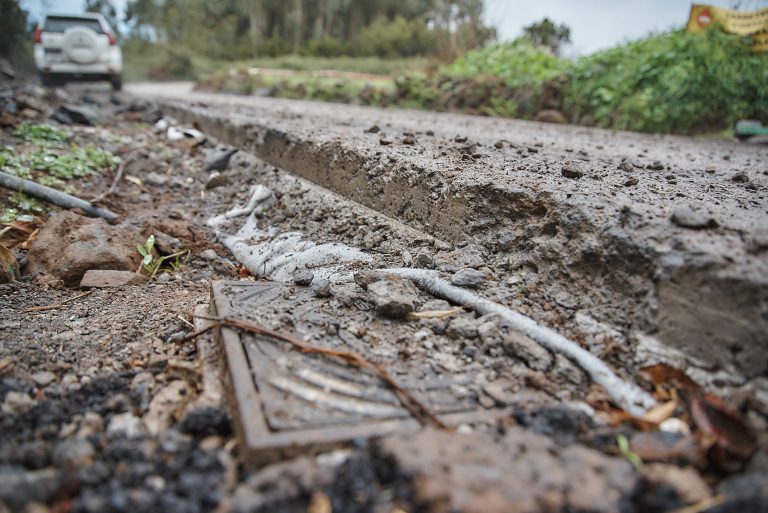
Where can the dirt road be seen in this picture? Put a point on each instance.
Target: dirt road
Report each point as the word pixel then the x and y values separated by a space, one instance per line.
pixel 655 233
pixel 546 248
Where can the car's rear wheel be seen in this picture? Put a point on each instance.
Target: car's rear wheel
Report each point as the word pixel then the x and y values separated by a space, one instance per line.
pixel 117 82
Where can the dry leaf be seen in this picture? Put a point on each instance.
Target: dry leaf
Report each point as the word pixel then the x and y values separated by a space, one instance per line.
pixel 660 412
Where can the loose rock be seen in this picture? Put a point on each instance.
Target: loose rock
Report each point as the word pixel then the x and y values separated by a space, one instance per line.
pixel 470 278
pixel 95 278
pixel 686 217
pixel 125 425
pixel 73 452
pixel 393 298
pixel 69 245
pixel 521 346
pixel 218 159
pixel 70 114
pixel 303 277
pixel 463 327
pixel 322 288
pixel 43 378
pixel 16 403
pixel 572 171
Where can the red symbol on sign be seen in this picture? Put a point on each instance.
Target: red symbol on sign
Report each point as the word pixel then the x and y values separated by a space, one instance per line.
pixel 704 18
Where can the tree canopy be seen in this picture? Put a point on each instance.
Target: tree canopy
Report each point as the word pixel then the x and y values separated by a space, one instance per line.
pixel 548 34
pixel 245 28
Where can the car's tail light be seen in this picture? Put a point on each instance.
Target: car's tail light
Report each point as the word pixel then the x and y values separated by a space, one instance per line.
pixel 38 36
pixel 112 40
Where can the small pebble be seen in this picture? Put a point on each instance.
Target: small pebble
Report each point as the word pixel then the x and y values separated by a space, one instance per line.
pixel 43 378
pixel 686 217
pixel 572 171
pixel 303 277
pixel 322 288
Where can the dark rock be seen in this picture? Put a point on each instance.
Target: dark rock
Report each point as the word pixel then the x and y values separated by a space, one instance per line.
pixel 218 158
pixel 393 297
pixel 656 165
pixel 747 492
pixel 572 171
pixel 470 278
pixel 69 245
pixel 740 178
pixel 303 277
pixel 19 487
pixel 373 130
pixel 626 165
pixel 70 114
pixel 686 217
pixel 167 244
pixel 632 181
pixel 385 142
pixel 564 425
pixel 206 421
pixel 410 141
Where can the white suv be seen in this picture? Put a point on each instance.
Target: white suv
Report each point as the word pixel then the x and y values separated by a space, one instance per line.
pixel 77 47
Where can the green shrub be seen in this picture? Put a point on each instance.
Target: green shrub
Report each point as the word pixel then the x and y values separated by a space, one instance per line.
pixel 395 38
pixel 325 47
pixel 674 82
pixel 517 63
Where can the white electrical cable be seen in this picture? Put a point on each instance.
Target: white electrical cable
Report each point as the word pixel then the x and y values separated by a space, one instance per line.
pixel 629 396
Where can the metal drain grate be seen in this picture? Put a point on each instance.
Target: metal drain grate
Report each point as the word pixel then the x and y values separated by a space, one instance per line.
pixel 284 399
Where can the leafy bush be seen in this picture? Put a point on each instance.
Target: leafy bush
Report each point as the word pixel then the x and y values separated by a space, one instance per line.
pixel 517 63
pixel 668 83
pixel 673 82
pixel 325 47
pixel 395 38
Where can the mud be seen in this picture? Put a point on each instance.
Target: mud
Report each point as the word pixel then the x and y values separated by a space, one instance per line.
pixel 500 183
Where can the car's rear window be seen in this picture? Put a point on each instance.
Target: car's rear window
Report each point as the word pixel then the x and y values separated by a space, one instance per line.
pixel 61 24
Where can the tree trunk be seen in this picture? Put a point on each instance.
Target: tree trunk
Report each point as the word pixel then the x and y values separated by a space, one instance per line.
pixel 256 27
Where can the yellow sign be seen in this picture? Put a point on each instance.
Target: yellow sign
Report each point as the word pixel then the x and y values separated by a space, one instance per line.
pixel 753 24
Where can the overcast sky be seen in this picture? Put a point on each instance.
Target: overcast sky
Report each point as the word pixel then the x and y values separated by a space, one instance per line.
pixel 595 24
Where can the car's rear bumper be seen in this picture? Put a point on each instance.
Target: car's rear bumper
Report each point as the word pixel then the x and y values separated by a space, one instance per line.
pixel 80 77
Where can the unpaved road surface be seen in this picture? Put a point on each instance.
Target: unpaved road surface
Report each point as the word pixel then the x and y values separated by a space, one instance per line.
pixel 641 250
pixel 579 209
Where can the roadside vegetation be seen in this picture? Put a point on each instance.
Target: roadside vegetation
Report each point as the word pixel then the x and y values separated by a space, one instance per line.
pixel 45 153
pixel 672 82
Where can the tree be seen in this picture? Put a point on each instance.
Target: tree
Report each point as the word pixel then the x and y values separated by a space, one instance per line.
pixel 13 28
pixel 107 9
pixel 547 33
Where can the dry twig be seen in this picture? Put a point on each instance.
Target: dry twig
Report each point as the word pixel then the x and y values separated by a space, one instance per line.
pixel 63 304
pixel 116 181
pixel 415 407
